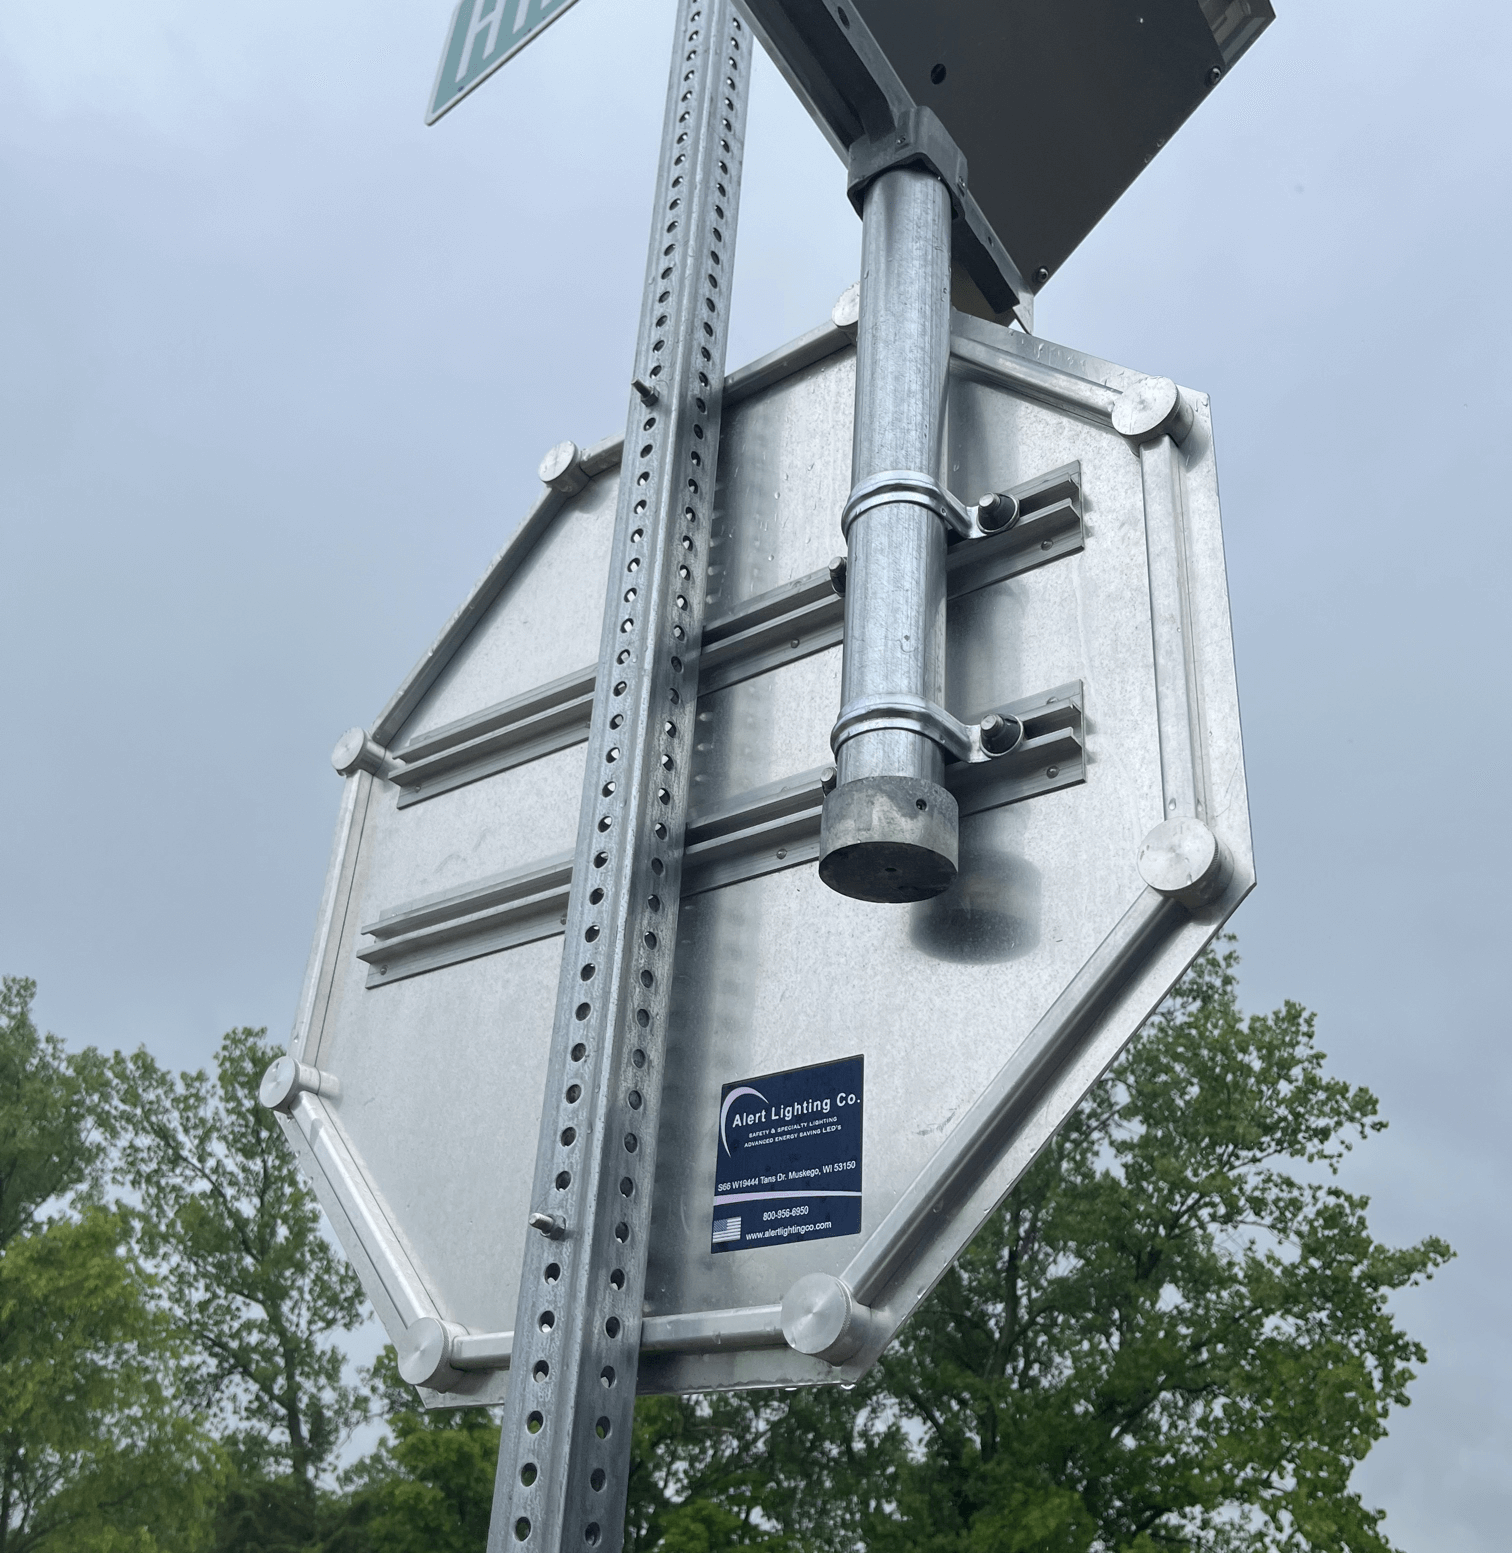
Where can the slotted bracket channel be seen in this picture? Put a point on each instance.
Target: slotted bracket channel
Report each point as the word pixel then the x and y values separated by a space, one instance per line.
pixel 791 622
pixel 564 1452
pixel 758 832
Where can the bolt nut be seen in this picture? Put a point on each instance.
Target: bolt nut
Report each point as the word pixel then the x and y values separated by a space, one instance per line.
pixel 997 511
pixel 1000 734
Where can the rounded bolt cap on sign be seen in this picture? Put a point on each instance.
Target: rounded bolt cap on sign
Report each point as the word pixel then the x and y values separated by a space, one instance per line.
pixel 280 1084
pixel 1153 407
pixel 820 1317
pixel 1182 859
pixel 425 1356
pixel 846 313
pixel 889 839
pixel 355 751
pixel 287 1079
pixel 561 471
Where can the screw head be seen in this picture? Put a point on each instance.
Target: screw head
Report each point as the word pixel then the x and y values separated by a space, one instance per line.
pixel 1041 275
pixel 1215 75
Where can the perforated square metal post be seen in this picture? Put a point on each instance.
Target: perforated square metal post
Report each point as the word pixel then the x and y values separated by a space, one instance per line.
pixel 564 1454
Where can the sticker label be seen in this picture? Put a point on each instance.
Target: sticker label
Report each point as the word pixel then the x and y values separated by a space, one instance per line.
pixel 789 1157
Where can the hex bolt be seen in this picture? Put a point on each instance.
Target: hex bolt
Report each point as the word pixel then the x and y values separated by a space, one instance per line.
pixel 648 395
pixel 552 1225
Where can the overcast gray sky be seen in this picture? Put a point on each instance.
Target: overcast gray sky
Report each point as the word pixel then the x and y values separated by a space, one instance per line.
pixel 277 364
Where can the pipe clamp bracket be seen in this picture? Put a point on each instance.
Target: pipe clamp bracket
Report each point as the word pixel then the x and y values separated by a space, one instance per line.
pixel 908 487
pixel 968 743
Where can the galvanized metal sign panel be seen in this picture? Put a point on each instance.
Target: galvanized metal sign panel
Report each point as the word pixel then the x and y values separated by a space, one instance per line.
pixel 483 35
pixel 961 1030
pixel 1057 107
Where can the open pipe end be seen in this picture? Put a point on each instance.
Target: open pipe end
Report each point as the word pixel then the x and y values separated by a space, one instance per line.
pixel 889 839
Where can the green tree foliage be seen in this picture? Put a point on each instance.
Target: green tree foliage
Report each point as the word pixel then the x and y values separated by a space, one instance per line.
pixel 95 1454
pixel 255 1285
pixel 429 1486
pixel 1175 1334
pixel 811 1470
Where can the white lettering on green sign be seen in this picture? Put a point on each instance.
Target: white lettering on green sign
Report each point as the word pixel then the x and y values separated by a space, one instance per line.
pixel 480 41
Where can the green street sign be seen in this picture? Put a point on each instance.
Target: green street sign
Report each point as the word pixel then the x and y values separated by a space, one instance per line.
pixel 484 33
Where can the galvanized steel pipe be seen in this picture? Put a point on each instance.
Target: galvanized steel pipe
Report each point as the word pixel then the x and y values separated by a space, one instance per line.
pixel 889 831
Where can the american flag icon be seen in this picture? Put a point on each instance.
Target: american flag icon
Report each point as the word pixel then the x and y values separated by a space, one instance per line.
pixel 726 1229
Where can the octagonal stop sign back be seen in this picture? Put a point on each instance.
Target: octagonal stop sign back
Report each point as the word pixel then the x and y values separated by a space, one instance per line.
pixel 850 1088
